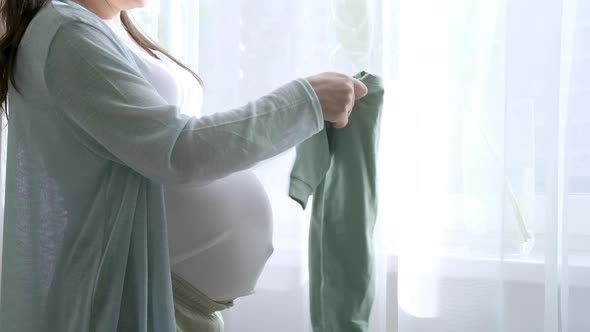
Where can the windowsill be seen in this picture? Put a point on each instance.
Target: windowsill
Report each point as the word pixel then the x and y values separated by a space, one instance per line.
pixel 513 269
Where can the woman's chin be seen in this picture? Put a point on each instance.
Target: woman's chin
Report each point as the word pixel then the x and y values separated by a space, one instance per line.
pixel 141 3
pixel 133 4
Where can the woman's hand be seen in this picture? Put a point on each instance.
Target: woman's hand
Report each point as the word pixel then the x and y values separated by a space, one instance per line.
pixel 337 94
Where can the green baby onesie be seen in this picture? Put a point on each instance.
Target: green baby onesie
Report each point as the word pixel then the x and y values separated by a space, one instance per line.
pixel 338 166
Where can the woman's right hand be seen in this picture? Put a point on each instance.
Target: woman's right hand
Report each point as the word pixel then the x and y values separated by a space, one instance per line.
pixel 337 94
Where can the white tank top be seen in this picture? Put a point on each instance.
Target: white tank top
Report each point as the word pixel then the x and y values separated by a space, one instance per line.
pixel 220 235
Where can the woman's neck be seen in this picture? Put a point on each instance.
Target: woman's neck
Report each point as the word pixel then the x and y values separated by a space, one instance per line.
pixel 116 24
pixel 106 12
pixel 110 16
pixel 102 9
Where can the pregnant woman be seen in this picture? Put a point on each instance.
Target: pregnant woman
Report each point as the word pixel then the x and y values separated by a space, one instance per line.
pixel 111 172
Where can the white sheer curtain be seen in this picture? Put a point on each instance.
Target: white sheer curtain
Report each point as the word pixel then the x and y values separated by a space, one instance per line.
pixel 485 150
pixel 490 142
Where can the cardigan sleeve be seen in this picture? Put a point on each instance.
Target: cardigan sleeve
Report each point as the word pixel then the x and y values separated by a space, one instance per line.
pixel 104 97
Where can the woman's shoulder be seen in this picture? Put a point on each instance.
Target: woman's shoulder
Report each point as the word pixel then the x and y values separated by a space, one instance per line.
pixel 59 12
pixel 57 15
pixel 64 30
pixel 64 19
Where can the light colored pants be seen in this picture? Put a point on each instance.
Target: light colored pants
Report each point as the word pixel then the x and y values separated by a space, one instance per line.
pixel 194 311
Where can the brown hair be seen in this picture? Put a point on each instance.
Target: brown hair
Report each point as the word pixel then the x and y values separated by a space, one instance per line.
pixel 15 16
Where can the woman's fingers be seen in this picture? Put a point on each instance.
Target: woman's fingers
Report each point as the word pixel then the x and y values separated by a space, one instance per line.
pixel 360 89
pixel 337 94
pixel 340 124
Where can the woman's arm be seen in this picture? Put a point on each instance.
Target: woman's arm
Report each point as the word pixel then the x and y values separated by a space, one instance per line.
pixel 107 99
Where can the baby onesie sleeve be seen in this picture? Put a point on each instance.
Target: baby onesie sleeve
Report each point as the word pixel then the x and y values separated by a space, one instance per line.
pixel 311 165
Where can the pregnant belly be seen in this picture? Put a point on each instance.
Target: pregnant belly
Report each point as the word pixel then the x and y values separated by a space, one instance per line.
pixel 220 235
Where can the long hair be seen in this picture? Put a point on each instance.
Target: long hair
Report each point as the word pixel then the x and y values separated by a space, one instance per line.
pixel 15 16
